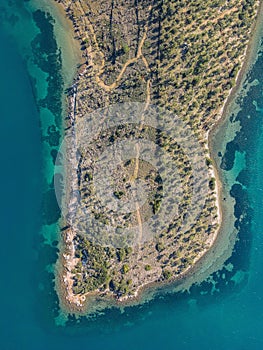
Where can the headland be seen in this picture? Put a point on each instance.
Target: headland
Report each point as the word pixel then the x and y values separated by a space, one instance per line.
pixel 188 59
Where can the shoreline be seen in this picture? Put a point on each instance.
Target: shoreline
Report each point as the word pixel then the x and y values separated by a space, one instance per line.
pixel 226 217
pixel 183 281
pixel 64 32
pixel 223 193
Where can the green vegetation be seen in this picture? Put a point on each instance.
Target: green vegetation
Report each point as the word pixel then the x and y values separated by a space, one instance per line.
pixel 125 268
pixel 208 162
pixel 122 253
pixel 212 184
pixel 147 267
pixel 183 56
pixel 118 194
pixel 160 247
pixel 167 274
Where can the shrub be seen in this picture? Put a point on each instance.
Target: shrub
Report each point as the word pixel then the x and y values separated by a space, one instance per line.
pixel 125 268
pixel 147 267
pixel 212 184
pixel 208 162
pixel 159 246
pixel 167 274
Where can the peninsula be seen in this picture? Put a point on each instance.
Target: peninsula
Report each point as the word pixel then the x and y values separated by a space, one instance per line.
pixel 182 57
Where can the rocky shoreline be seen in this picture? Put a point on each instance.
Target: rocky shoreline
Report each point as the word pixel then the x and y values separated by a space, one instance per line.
pixel 75 303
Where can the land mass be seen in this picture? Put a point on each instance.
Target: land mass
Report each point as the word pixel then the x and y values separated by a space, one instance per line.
pixel 183 57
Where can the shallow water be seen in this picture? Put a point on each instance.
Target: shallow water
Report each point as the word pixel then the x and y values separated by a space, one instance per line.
pixel 225 312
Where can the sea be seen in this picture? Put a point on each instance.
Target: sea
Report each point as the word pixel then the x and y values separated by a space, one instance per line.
pixel 223 312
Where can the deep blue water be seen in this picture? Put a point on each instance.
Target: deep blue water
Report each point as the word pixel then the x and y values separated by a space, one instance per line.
pixel 31 85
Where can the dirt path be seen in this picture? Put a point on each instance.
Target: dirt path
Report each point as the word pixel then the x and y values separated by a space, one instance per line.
pixel 114 85
pixel 97 60
pixel 101 66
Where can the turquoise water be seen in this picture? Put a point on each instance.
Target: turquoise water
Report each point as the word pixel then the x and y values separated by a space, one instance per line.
pixel 224 312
